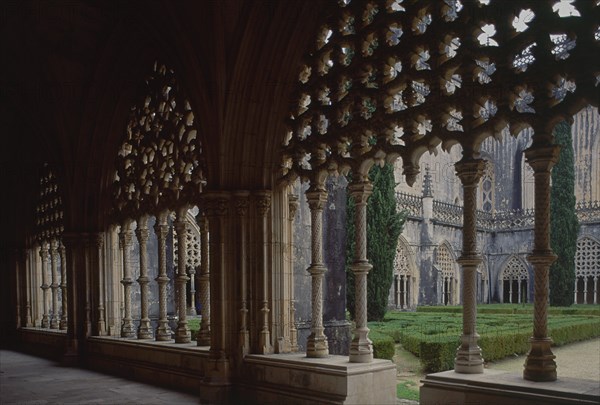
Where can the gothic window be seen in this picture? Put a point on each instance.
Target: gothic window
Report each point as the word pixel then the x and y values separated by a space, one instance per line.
pixel 405 282
pixel 587 271
pixel 482 283
pixel 514 278
pixel 445 263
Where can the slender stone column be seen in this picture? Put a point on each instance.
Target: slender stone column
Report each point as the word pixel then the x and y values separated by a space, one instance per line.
pixel 182 334
pixel 519 290
pixel 263 204
pixel 126 239
pixel 293 208
pixel 361 348
pixel 54 321
pixel 575 294
pixel 101 324
pixel 585 290
pixel 192 304
pixel 241 209
pixel 28 278
pixel 142 233
pixel 204 333
pixel 540 365
pixel 404 293
pixel 468 356
pixel 316 344
pixel 595 290
pixel 161 227
pixel 45 286
pixel 64 319
pixel 510 290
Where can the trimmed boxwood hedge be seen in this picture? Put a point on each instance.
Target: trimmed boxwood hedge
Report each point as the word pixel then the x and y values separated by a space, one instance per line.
pixel 434 337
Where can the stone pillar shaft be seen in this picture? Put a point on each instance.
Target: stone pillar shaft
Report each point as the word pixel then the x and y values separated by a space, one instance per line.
pixel 161 228
pixel 142 233
pixel 54 321
pixel 241 208
pixel 126 239
pixel 263 203
pixel 63 287
pixel 361 348
pixel 540 365
pixel 204 333
pixel 293 208
pixel 182 334
pixel 44 286
pixel 101 290
pixel 316 344
pixel 468 356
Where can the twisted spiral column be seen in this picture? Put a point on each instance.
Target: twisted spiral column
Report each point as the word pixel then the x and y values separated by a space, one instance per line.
pixel 63 287
pixel 54 320
pixel 161 228
pixel 142 233
pixel 540 365
pixel 45 287
pixel 182 334
pixel 361 348
pixel 468 355
pixel 316 344
pixel 204 279
pixel 125 240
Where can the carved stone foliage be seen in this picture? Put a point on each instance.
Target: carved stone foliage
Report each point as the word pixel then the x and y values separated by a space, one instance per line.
pixel 192 236
pixel 587 257
pixel 159 164
pixel 401 264
pixel 514 269
pixel 390 78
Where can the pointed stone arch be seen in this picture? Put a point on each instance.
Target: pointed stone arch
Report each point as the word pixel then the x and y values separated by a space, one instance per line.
pixel 587 270
pixel 448 276
pixel 404 292
pixel 514 280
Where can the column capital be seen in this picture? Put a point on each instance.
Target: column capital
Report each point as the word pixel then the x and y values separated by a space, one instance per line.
pixel 216 203
pixel 241 202
pixel 361 191
pixel 317 198
pixel 542 159
pixel 469 170
pixel 263 202
pixel 142 232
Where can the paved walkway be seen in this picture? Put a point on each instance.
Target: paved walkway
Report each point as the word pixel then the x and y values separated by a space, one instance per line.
pixel 26 379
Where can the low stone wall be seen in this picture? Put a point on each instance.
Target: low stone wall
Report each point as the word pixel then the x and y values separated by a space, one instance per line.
pixel 48 343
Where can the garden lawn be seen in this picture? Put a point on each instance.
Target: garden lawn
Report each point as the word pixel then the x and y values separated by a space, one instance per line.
pixel 504 330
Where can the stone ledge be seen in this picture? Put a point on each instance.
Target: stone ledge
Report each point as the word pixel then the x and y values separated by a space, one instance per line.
pixel 48 343
pixel 296 379
pixel 501 387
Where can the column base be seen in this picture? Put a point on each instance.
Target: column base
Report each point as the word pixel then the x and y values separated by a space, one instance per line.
pixel 361 347
pixel 183 334
pixel 264 342
pixel 244 342
pixel 54 323
pixel 128 330
pixel 468 359
pixel 203 337
pixel 45 322
pixel 163 332
pixel 145 329
pixel 540 365
pixel 317 346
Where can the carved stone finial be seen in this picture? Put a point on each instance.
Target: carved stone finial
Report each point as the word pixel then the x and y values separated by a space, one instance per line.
pixel 427 184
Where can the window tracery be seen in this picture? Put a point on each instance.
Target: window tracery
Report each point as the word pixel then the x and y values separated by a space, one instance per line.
pixel 515 280
pixel 366 106
pixel 587 271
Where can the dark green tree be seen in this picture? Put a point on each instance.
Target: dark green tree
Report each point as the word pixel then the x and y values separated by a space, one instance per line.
pixel 564 224
pixel 384 225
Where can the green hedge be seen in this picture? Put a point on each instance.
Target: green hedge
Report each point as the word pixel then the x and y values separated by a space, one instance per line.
pixel 434 337
pixel 384 346
pixel 514 309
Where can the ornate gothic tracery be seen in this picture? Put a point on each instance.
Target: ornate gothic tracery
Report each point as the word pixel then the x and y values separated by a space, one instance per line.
pixel 159 168
pixel 405 285
pixel 448 277
pixel 49 230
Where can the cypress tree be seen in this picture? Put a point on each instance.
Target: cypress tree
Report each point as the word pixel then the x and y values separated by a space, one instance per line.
pixel 564 224
pixel 384 225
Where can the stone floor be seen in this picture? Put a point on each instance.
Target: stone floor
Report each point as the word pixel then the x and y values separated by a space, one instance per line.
pixel 26 379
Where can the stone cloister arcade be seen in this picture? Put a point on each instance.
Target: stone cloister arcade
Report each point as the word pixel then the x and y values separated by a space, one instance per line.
pixel 169 132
